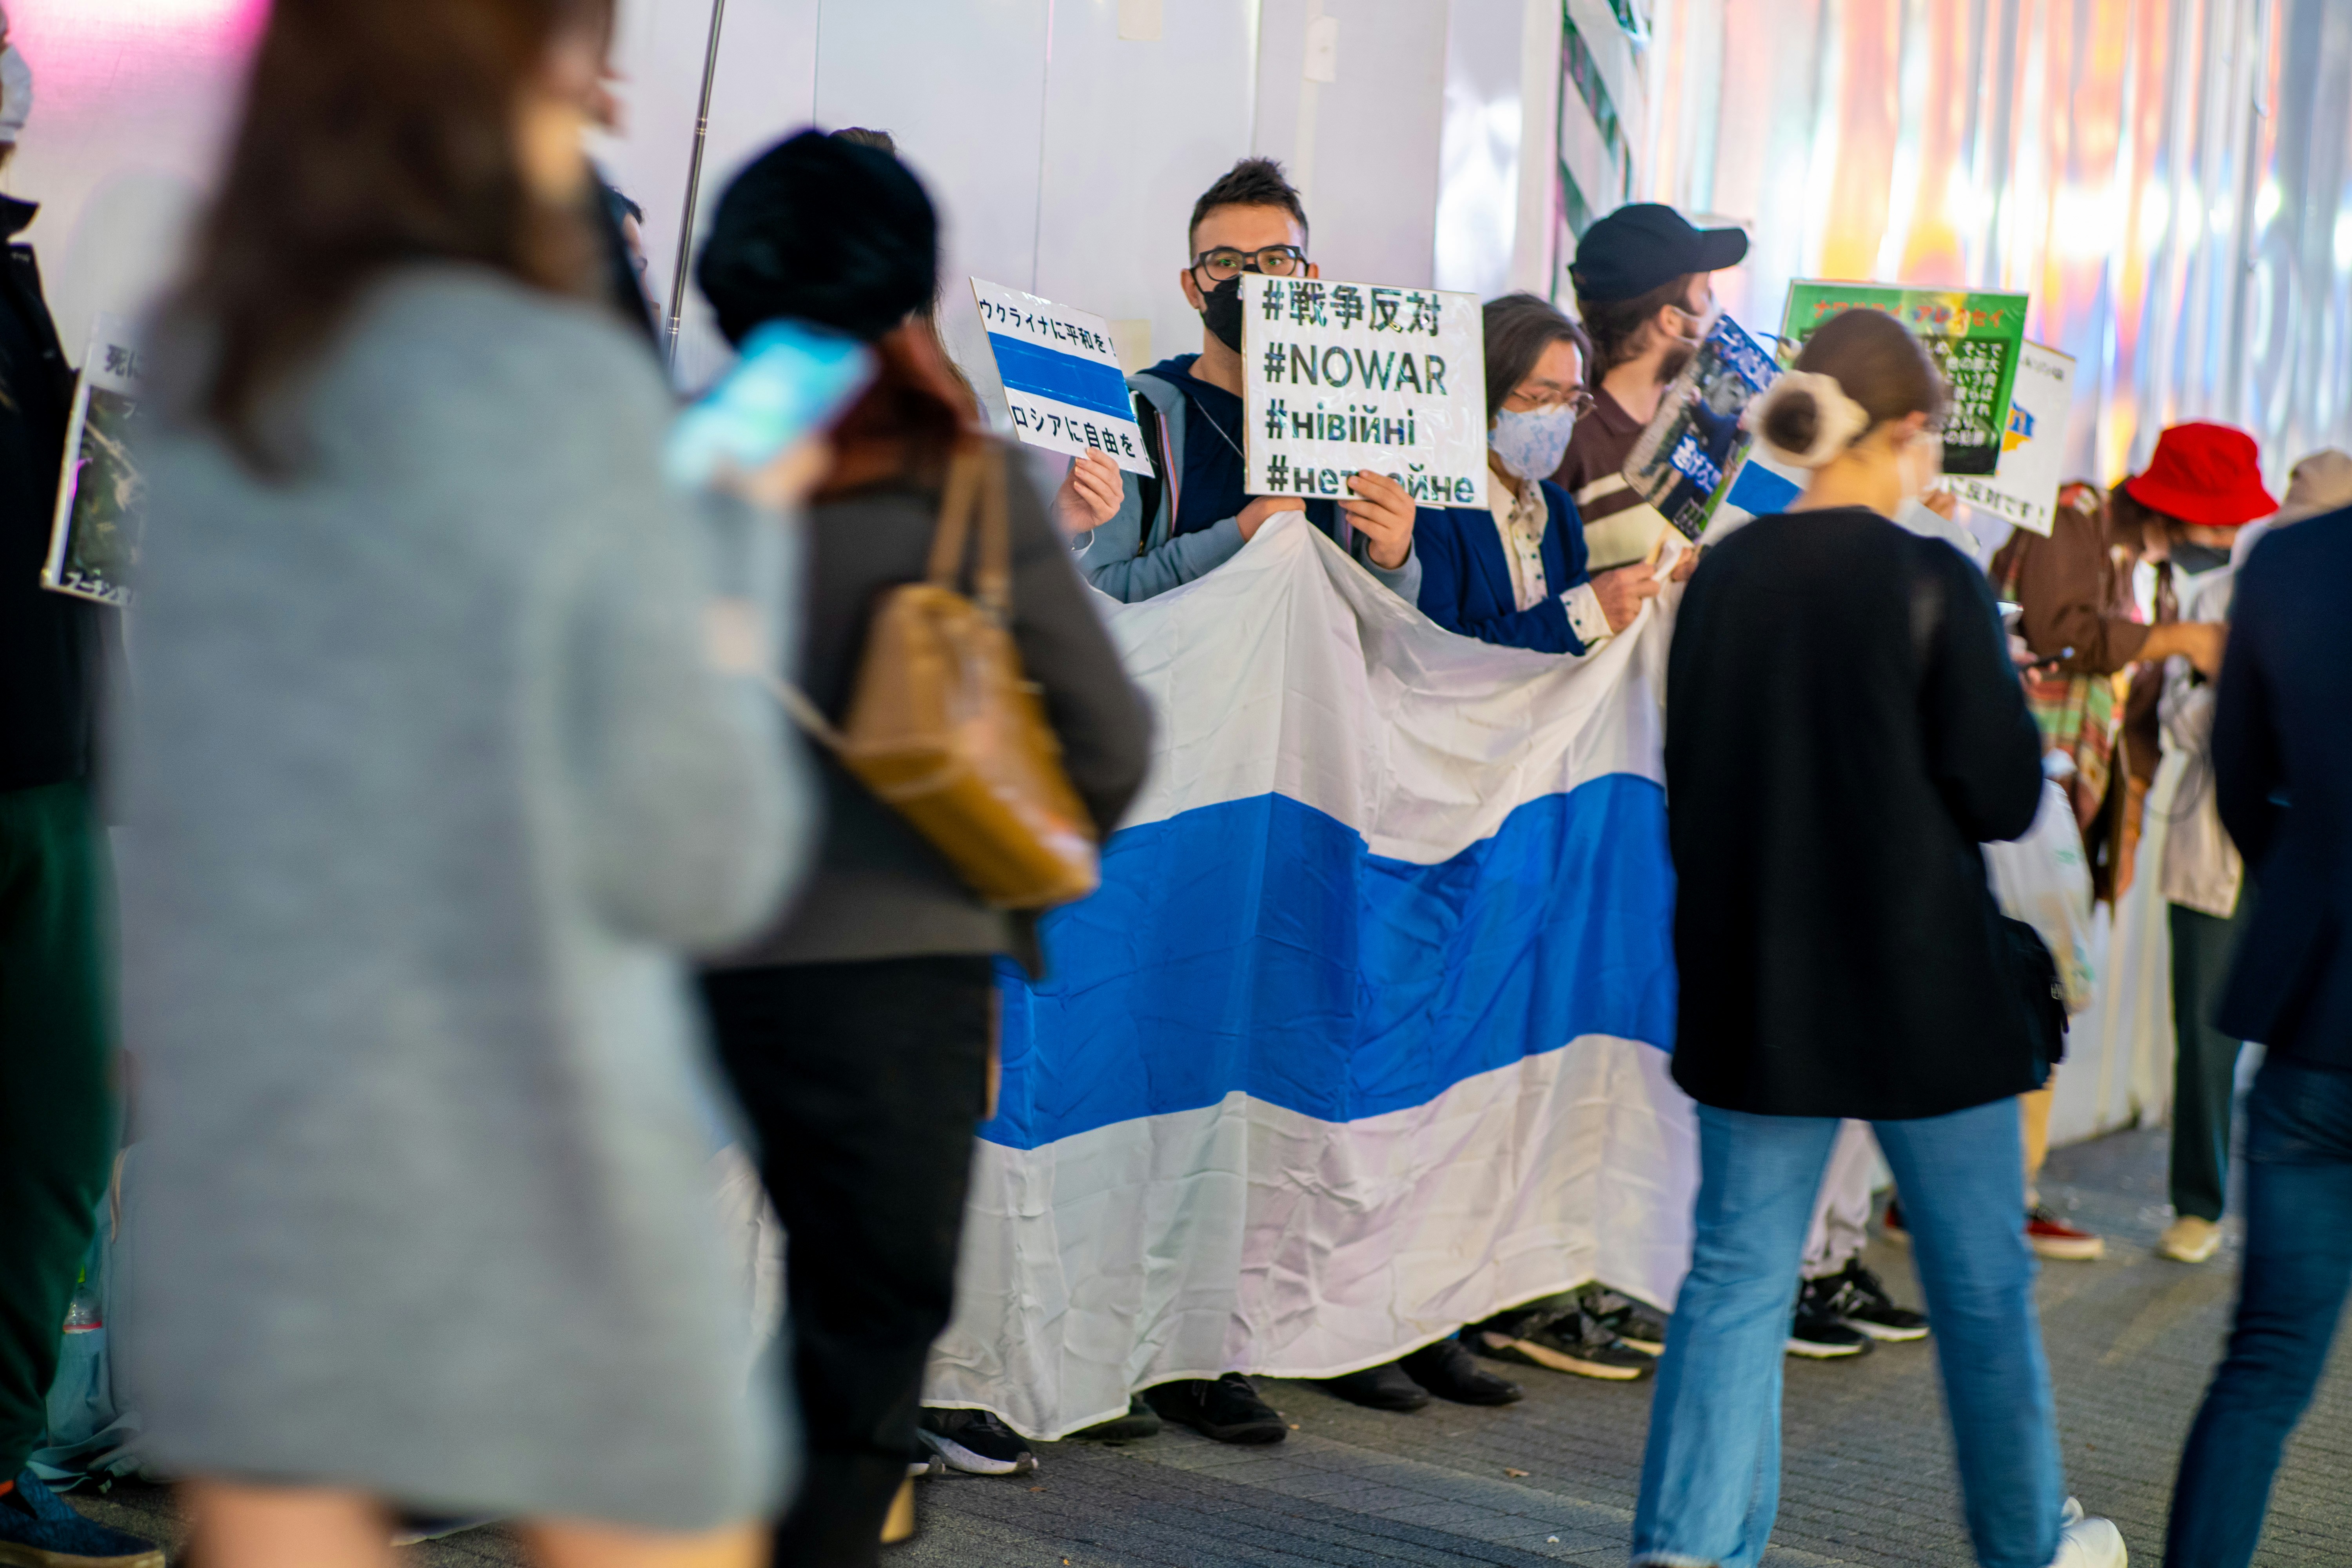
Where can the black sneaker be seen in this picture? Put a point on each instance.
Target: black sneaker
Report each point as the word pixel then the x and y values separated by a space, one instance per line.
pixel 416 1529
pixel 1228 1409
pixel 1560 1339
pixel 1140 1421
pixel 1818 1332
pixel 1637 1325
pixel 1861 1303
pixel 975 1442
pixel 37 1529
pixel 1448 1370
pixel 1385 1387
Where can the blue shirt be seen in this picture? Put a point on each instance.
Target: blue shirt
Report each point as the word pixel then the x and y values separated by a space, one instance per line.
pixel 1465 582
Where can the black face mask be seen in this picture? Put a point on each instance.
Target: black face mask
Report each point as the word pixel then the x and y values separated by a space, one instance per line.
pixel 2194 559
pixel 1221 313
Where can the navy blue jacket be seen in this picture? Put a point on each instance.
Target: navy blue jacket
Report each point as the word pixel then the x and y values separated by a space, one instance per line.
pixel 1466 581
pixel 2283 777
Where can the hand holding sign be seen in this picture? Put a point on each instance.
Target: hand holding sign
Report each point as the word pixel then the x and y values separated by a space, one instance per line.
pixel 1383 513
pixel 1089 495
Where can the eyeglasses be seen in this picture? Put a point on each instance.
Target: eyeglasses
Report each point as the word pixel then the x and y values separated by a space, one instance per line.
pixel 1579 400
pixel 1274 260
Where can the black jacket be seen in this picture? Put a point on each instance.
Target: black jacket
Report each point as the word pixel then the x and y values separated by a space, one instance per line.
pixel 49 642
pixel 2283 775
pixel 880 890
pixel 1844 729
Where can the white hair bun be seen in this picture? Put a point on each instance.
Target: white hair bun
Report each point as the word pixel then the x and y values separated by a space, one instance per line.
pixel 1805 419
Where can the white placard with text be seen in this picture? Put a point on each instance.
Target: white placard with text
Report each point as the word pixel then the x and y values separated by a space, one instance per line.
pixel 1342 376
pixel 2024 487
pixel 1061 376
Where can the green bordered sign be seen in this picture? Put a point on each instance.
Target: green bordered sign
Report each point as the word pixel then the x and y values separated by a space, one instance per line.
pixel 1975 337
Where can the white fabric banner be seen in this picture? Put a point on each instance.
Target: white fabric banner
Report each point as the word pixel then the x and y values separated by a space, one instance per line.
pixel 1361 1040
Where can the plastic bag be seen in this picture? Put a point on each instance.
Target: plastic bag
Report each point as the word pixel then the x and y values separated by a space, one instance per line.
pixel 2044 879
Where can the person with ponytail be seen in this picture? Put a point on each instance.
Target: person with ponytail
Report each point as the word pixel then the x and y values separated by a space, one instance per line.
pixel 1844 730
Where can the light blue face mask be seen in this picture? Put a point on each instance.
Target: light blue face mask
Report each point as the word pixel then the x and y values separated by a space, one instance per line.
pixel 1531 445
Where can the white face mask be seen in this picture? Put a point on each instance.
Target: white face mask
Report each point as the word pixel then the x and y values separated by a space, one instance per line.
pixel 1920 464
pixel 16 93
pixel 1531 445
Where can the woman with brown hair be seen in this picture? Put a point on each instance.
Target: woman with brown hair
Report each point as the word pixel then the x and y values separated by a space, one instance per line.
pixel 858 1029
pixel 1844 730
pixel 432 779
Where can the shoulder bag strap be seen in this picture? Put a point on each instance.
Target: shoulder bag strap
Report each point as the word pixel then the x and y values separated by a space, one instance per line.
pixel 956 501
pixel 992 578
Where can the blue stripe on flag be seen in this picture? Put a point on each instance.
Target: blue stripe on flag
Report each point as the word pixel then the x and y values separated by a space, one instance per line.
pixel 1259 946
pixel 1086 384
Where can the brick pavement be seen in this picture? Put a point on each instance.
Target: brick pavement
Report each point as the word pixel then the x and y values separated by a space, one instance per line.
pixel 1868 1477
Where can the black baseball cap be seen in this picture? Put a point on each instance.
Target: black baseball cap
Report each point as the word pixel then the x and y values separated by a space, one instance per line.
pixel 1636 248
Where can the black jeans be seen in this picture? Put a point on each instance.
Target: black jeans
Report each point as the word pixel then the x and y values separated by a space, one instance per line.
pixel 2298 1271
pixel 2205 1063
pixel 863 1082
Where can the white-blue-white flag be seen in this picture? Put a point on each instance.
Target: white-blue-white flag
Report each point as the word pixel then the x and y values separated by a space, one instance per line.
pixel 1362 1039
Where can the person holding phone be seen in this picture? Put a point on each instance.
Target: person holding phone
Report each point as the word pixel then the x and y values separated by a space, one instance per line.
pixel 434 778
pixel 858 1028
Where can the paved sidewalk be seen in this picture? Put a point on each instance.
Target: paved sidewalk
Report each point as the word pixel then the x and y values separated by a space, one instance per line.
pixel 2132 1340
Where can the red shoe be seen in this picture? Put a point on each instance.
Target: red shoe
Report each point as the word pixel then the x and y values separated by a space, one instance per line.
pixel 1891 1226
pixel 2051 1236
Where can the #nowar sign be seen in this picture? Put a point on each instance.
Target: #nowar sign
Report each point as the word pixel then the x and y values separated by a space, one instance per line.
pixel 1342 376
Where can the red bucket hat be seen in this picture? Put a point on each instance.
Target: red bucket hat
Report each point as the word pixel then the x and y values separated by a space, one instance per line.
pixel 2203 473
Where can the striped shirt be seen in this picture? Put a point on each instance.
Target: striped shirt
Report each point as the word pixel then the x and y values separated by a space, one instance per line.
pixel 1618 526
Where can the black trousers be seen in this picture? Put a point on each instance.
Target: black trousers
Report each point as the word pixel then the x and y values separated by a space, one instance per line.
pixel 2205 1060
pixel 863 1082
pixel 57 1085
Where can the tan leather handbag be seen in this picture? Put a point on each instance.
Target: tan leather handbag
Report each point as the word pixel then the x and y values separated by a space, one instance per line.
pixel 943 726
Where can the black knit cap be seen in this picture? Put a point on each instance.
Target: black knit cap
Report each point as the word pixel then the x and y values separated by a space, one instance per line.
pixel 824 231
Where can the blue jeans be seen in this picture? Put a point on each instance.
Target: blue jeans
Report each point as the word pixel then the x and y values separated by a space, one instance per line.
pixel 2298 1268
pixel 1711 1475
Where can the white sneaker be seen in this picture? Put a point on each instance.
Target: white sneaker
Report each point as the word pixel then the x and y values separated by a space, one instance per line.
pixel 2085 1541
pixel 2189 1239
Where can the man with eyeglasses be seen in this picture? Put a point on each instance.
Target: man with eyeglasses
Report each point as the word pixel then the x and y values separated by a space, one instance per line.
pixel 1149 535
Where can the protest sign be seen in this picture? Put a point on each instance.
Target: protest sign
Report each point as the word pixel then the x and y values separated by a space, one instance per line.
pixel 1683 463
pixel 1975 339
pixel 2024 487
pixel 1342 376
pixel 1061 376
pixel 101 499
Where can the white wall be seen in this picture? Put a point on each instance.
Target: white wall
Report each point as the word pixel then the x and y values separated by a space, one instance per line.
pixel 130 100
pixel 1064 156
pixel 1479 149
pixel 1363 147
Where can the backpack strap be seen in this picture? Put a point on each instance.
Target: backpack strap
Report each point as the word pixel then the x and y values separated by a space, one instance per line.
pixel 1157 483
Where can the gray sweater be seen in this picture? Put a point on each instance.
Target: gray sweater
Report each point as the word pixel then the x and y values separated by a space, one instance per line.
pixel 429 784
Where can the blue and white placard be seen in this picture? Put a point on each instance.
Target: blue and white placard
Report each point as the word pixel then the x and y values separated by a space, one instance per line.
pixel 1062 379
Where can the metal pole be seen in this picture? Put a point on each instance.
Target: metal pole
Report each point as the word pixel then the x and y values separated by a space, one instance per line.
pixel 693 188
